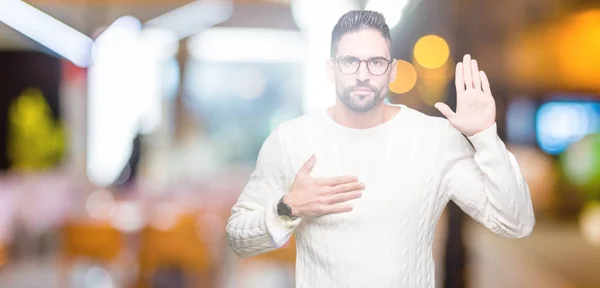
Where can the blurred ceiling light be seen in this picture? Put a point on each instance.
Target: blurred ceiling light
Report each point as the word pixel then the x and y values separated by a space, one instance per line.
pixel 391 9
pixel 316 16
pixel 315 19
pixel 46 30
pixel 124 30
pixel 156 47
pixel 112 103
pixel 254 45
pixel 431 51
pixel 116 29
pixel 126 88
pixel 194 17
pixel 406 77
pixel 158 43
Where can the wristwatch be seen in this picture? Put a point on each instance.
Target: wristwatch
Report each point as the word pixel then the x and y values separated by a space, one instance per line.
pixel 284 210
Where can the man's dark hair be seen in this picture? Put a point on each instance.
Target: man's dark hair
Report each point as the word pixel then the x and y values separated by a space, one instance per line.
pixel 358 20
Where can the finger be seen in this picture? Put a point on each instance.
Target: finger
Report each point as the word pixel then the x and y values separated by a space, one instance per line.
pixel 485 83
pixel 309 164
pixel 334 181
pixel 343 197
pixel 467 71
pixel 339 208
pixel 459 78
pixel 475 72
pixel 343 188
pixel 444 109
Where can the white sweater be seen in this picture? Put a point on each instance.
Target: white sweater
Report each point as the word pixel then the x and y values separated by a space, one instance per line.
pixel 412 165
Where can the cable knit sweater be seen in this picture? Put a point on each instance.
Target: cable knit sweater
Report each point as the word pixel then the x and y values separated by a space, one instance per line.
pixel 412 166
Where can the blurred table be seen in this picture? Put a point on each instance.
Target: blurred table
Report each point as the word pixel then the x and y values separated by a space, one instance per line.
pixel 554 256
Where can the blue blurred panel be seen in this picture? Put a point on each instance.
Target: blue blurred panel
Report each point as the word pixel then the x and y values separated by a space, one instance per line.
pixel 520 122
pixel 561 123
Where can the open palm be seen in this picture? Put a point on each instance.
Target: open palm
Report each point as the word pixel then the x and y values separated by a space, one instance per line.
pixel 475 106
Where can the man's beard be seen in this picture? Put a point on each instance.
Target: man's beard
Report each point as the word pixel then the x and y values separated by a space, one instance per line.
pixel 354 103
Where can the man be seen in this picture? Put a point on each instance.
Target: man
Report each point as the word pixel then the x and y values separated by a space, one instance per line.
pixel 362 184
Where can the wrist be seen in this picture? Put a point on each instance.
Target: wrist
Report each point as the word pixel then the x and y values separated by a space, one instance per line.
pixel 482 129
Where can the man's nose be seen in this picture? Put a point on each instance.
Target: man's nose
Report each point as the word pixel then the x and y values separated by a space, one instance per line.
pixel 363 72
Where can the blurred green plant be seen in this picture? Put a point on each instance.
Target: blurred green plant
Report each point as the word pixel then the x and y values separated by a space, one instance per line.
pixel 580 164
pixel 36 141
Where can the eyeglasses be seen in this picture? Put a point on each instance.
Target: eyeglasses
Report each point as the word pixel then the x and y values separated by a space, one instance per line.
pixel 349 65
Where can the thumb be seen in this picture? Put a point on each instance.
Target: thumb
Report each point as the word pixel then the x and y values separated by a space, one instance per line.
pixel 444 109
pixel 309 164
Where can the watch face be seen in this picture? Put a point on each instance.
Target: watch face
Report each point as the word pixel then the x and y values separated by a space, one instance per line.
pixel 283 210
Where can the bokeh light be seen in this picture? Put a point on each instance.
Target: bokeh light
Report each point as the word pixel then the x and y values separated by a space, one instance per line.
pixel 561 123
pixel 558 55
pixel 431 51
pixel 127 217
pixel 433 83
pixel 406 77
pixel 577 47
pixel 391 10
pixel 581 165
pixel 100 204
pixel 589 223
pixel 98 277
pixel 540 174
pixel 165 216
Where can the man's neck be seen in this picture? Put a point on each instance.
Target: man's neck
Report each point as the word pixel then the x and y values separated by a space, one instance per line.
pixel 361 120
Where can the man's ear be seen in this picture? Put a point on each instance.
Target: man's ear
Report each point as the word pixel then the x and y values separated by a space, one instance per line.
pixel 394 71
pixel 330 70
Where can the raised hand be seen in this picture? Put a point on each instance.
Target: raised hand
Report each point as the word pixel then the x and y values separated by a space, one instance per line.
pixel 319 196
pixel 475 106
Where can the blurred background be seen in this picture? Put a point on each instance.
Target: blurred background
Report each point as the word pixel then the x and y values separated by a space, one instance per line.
pixel 129 128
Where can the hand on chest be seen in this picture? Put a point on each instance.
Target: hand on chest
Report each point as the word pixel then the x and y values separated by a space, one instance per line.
pixel 397 175
pixel 373 167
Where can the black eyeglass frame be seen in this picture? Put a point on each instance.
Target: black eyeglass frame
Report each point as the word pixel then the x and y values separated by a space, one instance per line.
pixel 387 67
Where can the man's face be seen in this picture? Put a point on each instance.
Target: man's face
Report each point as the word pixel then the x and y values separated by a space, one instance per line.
pixel 365 88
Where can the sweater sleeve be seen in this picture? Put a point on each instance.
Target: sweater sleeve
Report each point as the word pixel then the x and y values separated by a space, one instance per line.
pixel 484 179
pixel 254 226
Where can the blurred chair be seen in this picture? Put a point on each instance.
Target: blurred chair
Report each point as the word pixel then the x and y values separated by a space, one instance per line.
pixel 179 249
pixel 89 240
